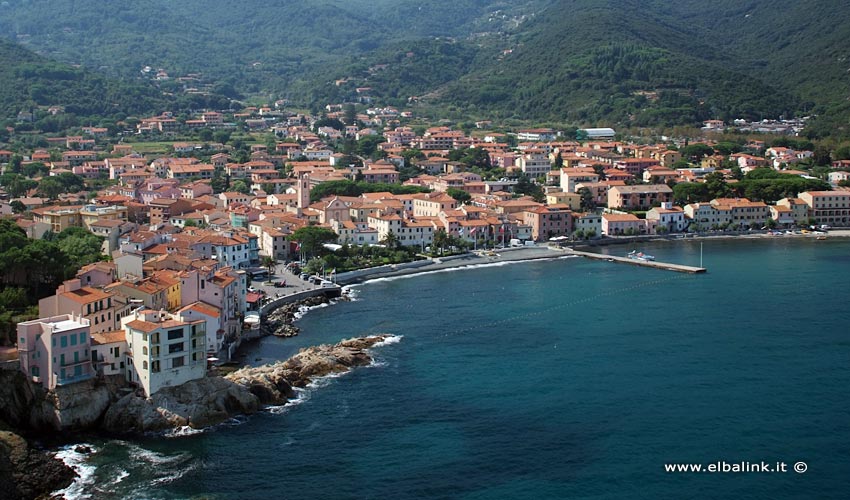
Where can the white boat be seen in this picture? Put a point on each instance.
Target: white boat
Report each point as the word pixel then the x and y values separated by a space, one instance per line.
pixel 634 254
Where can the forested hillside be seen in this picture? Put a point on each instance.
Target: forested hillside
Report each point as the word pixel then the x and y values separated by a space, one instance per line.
pixel 29 78
pixel 30 83
pixel 632 62
pixel 637 63
pixel 254 46
pixel 617 62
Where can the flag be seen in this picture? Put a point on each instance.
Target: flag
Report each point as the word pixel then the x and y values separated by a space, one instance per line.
pixel 472 231
pixel 502 229
pixel 460 231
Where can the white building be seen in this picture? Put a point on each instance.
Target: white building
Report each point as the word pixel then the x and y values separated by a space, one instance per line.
pixel 107 352
pixel 163 351
pixel 534 163
pixel 596 134
pixel 211 315
pixel 588 223
pixel 667 216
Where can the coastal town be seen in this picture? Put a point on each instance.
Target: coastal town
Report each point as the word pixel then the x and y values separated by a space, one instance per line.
pixel 193 233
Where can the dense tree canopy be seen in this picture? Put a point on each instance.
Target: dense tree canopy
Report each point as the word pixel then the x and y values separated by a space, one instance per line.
pixel 351 188
pixel 311 239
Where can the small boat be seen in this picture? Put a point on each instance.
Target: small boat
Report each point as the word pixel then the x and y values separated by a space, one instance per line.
pixel 821 237
pixel 634 254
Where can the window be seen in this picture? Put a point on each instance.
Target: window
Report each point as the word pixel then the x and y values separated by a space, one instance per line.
pixel 82 337
pixel 63 341
pixel 178 362
pixel 175 334
pixel 144 365
pixel 144 350
pixel 176 347
pixel 23 341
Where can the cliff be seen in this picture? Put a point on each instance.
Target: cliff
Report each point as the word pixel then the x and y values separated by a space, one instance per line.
pixel 27 473
pixel 77 406
pixel 101 404
pixel 198 403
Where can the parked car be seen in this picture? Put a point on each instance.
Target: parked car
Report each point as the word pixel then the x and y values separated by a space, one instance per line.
pixel 279 284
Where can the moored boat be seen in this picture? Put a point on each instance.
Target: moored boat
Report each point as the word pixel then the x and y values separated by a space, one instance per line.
pixel 634 254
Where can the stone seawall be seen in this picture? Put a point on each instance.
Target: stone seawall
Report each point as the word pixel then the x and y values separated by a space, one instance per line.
pixel 329 292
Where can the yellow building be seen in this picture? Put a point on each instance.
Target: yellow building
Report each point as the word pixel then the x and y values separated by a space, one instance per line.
pixel 572 200
pixel 91 214
pixel 59 217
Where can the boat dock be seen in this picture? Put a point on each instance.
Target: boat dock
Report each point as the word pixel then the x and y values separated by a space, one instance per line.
pixel 637 262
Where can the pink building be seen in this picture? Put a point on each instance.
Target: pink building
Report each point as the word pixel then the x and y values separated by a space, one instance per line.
pixel 56 350
pixel 548 222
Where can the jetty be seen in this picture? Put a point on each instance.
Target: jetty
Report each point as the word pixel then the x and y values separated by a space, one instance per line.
pixel 637 262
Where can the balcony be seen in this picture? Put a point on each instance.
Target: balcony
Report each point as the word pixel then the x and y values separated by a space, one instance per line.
pixel 199 331
pixel 71 379
pixel 71 364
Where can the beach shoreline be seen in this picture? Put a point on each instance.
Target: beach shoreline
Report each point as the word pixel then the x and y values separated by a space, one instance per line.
pixel 545 251
pixel 475 258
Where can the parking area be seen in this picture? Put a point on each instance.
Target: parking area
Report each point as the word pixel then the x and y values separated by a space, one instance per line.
pixel 283 282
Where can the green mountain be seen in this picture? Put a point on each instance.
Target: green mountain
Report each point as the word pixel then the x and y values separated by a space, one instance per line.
pixel 641 63
pixel 254 46
pixel 617 62
pixel 31 83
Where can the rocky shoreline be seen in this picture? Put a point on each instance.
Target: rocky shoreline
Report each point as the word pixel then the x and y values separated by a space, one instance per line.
pixel 101 405
pixel 281 321
pixel 213 400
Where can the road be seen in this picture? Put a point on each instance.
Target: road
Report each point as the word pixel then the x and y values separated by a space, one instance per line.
pixel 294 284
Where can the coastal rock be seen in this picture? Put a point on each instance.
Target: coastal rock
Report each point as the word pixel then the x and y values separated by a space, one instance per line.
pixel 26 473
pixel 280 321
pixel 77 406
pixel 197 403
pixel 273 383
pixel 268 383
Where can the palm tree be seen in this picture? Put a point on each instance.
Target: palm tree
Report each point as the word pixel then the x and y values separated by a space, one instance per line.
pixel 269 263
pixel 390 240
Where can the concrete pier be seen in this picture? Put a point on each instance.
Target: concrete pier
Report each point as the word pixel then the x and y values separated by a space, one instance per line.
pixel 637 262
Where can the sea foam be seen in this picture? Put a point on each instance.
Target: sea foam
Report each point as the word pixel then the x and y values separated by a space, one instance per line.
pixel 85 471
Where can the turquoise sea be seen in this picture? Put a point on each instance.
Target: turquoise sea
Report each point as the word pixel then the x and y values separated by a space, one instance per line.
pixel 567 378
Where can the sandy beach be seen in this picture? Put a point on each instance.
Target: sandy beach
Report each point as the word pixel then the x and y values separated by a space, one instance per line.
pixel 540 251
pixel 458 261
